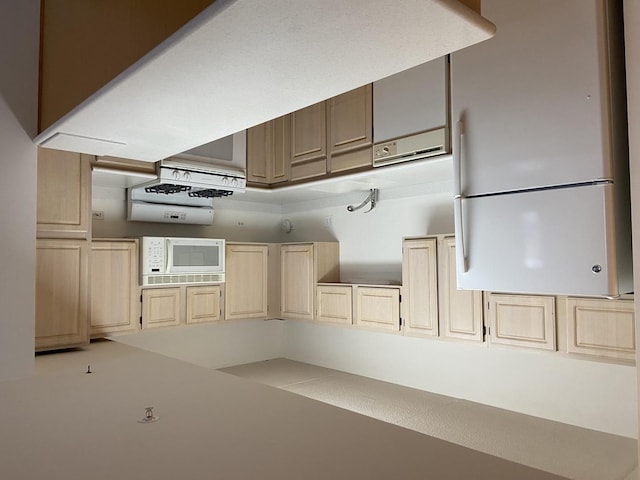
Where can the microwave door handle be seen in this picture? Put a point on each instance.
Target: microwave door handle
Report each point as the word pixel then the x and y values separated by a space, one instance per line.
pixel 461 257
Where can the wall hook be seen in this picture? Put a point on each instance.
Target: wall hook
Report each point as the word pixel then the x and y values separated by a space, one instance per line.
pixel 372 199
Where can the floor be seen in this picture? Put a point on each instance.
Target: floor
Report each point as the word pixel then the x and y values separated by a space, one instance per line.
pixel 558 448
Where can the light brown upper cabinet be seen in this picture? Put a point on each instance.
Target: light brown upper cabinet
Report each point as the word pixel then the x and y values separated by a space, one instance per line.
pixel 268 151
pixel 163 307
pixel 62 249
pixel 246 287
pixel 115 303
pixel 64 194
pixel 378 308
pixel 303 265
pixel 204 304
pixel 460 310
pixel 597 326
pixel 420 286
pixel 62 293
pixel 522 320
pixel 334 304
pixel 309 142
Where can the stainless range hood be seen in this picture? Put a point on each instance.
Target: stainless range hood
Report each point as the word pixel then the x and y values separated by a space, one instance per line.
pixel 263 60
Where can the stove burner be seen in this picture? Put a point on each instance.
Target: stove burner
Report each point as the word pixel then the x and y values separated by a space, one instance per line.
pixel 210 193
pixel 167 189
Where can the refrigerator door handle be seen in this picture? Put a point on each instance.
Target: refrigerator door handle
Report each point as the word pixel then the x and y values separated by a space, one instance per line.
pixel 461 257
pixel 457 147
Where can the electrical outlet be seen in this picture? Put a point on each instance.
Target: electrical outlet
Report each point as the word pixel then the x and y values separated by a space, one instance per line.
pixel 98 214
pixel 327 222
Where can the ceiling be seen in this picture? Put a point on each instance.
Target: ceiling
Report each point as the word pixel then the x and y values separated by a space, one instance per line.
pixel 241 62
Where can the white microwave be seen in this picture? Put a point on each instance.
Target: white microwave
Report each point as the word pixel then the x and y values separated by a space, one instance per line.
pixel 176 260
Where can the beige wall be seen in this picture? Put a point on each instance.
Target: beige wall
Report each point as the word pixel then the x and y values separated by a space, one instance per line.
pixel 632 45
pixel 19 25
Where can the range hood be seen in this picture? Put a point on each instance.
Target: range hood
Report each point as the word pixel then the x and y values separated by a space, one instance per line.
pixel 239 63
pixel 181 209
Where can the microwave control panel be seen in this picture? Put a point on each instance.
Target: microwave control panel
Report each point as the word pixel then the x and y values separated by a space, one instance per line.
pixel 153 255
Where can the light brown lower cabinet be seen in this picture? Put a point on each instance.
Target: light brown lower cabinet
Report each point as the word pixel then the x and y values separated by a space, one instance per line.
pixel 115 302
pixel 522 320
pixel 601 327
pixel 170 306
pixel 62 293
pixel 378 307
pixel 334 304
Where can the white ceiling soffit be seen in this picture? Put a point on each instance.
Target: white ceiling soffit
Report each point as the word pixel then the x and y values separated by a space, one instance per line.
pixel 242 62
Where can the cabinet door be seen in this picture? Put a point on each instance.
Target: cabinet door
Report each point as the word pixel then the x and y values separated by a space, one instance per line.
pixel 204 304
pixel 460 310
pixel 161 307
pixel 308 142
pixel 259 152
pixel 601 327
pixel 279 165
pixel 378 307
pixel 62 289
pixel 246 281
pixel 350 130
pixel 522 320
pixel 297 281
pixel 335 304
pixel 64 194
pixel 269 151
pixel 115 304
pixel 420 286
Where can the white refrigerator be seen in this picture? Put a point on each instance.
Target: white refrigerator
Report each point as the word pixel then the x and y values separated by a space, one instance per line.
pixel 541 182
